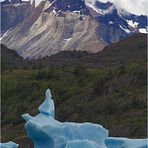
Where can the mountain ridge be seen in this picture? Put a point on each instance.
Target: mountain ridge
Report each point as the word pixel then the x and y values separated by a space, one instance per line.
pixel 59 27
pixel 126 51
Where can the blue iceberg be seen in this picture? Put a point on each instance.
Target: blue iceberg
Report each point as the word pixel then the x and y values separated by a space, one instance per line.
pixel 46 132
pixel 9 145
pixel 112 142
pixel 81 144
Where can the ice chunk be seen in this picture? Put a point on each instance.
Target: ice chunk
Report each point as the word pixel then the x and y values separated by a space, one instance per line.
pixel 47 107
pixel 81 144
pixel 9 145
pixel 47 132
pixel 27 117
pixel 56 135
pixel 112 142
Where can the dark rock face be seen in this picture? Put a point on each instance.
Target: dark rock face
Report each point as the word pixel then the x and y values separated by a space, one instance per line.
pixel 13 14
pixel 71 5
pixel 103 6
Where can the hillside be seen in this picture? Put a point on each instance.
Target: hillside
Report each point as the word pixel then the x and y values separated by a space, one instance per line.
pixel 108 88
pixel 124 52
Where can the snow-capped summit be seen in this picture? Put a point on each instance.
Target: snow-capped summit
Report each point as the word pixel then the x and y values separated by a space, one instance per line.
pixel 110 15
pixel 114 23
pixel 51 26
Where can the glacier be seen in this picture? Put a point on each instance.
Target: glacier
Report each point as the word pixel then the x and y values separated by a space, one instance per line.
pixel 46 132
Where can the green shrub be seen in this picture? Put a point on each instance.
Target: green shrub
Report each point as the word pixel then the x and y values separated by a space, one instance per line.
pixel 99 86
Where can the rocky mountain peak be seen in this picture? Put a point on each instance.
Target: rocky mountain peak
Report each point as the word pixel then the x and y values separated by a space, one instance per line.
pixel 51 26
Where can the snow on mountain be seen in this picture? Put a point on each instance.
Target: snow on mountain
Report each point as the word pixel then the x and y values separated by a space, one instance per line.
pixel 135 7
pixel 99 7
pixel 132 23
pixel 110 14
pixel 94 7
pixel 57 25
pixel 4 35
pixel 50 30
pixel 143 30
pixel 37 2
pixel 126 30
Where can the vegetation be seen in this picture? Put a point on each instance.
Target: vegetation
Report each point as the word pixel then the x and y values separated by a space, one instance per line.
pixel 114 96
pixel 80 94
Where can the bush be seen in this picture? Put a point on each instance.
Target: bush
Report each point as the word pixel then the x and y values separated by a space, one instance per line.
pixel 99 86
pixel 121 70
pixel 80 71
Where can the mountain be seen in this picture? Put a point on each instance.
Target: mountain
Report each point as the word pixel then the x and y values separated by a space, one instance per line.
pixel 13 13
pixel 110 86
pixel 56 25
pixel 115 25
pixel 8 2
pixel 47 32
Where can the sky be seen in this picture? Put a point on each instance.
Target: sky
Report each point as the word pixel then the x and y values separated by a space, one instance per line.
pixel 137 7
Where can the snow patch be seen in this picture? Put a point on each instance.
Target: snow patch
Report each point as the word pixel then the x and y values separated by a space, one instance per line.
pixel 4 35
pixel 54 11
pixel 126 30
pixel 132 23
pixel 76 11
pixel 66 40
pixel 111 22
pixel 94 8
pixel 37 2
pixel 143 30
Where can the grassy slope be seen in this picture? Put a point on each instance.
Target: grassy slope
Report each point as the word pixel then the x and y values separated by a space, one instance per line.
pixel 114 96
